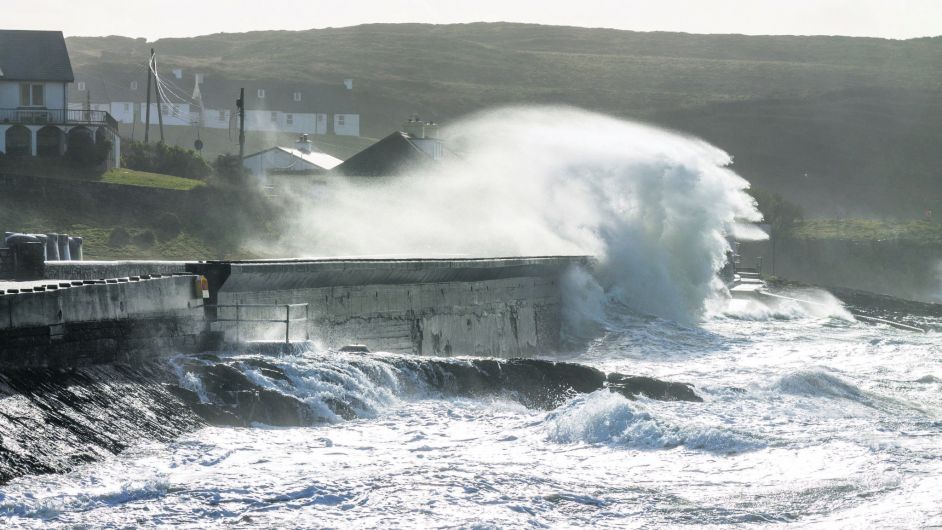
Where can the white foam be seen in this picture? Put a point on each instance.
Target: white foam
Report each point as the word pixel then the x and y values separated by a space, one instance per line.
pixel 604 417
pixel 653 205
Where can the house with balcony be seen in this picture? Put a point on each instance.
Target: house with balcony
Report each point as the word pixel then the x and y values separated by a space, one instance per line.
pixel 35 118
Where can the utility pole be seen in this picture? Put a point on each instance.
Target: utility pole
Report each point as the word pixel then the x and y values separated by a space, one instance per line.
pixel 241 104
pixel 160 103
pixel 147 108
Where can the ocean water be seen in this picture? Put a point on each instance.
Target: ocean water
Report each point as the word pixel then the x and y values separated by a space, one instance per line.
pixel 807 420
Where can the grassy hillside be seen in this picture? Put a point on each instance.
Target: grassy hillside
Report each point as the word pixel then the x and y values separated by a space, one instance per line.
pixel 843 126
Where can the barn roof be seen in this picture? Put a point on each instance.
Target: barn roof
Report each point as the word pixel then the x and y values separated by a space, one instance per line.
pixel 34 56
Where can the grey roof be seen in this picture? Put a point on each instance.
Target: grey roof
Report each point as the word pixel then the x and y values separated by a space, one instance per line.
pixel 389 156
pixel 34 56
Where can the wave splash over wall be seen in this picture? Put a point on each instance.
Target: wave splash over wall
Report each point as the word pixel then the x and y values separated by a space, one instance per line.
pixel 653 205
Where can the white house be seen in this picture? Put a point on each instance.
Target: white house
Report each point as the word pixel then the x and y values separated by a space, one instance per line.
pixel 35 119
pixel 301 159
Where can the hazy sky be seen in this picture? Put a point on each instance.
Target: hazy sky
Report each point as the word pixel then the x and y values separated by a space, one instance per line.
pixel 177 18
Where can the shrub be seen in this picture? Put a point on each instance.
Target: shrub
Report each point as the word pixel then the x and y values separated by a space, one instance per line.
pixel 145 239
pixel 781 214
pixel 81 150
pixel 119 237
pixel 229 168
pixel 169 160
pixel 168 226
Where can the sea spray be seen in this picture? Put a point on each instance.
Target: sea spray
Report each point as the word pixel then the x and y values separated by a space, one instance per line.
pixel 654 206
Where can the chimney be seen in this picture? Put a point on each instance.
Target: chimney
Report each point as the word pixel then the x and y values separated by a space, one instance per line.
pixel 414 127
pixel 304 144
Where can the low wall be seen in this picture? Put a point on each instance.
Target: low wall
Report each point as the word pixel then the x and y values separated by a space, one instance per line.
pixel 894 268
pixel 93 270
pixel 127 321
pixel 434 307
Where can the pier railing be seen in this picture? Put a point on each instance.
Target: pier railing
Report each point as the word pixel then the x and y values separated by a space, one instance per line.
pixel 240 319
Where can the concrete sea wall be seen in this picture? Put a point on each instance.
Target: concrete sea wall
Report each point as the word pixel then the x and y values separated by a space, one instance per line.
pixel 74 324
pixel 895 268
pixel 432 307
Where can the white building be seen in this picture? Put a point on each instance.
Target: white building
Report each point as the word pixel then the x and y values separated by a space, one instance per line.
pixel 301 159
pixel 35 118
pixel 275 107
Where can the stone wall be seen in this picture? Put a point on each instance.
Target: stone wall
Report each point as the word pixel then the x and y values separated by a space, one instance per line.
pixel 430 307
pixel 895 268
pixel 100 322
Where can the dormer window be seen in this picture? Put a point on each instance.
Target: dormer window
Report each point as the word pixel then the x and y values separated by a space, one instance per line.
pixel 297 96
pixel 81 86
pixel 133 85
pixel 32 94
pixel 261 93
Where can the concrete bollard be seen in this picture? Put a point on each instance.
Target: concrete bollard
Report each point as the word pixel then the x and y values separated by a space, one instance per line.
pixel 64 254
pixel 75 248
pixel 6 263
pixel 52 247
pixel 29 259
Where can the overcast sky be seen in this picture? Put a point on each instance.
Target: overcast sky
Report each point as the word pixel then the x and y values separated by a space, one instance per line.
pixel 180 18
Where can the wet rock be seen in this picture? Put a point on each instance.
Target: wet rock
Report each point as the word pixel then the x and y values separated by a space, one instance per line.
pixel 633 386
pixel 271 408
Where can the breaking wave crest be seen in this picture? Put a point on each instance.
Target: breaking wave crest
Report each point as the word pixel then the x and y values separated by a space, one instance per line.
pixel 817 383
pixel 604 417
pixel 654 206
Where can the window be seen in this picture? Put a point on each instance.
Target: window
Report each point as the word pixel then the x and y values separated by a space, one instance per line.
pixel 341 119
pixel 274 117
pixel 289 119
pixel 127 107
pixel 297 96
pixel 222 115
pixel 32 94
pixel 261 93
pixel 81 86
pixel 133 85
pixel 321 117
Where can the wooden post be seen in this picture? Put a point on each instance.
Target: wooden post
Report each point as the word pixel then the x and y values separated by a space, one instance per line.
pixel 241 104
pixel 147 109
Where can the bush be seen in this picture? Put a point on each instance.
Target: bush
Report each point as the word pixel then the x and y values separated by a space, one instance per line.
pixel 81 150
pixel 118 238
pixel 168 226
pixel 229 168
pixel 781 214
pixel 169 160
pixel 145 239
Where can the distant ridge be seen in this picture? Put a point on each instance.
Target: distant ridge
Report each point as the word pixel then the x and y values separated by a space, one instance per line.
pixel 861 117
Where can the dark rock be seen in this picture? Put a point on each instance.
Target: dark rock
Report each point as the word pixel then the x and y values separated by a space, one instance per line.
pixel 633 386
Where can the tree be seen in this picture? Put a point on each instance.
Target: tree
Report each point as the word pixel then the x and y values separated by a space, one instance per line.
pixel 781 214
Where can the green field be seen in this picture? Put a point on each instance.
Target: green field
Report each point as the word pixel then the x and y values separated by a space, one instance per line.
pixel 922 233
pixel 130 177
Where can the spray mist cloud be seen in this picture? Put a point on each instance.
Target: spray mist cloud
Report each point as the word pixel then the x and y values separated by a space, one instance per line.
pixel 652 205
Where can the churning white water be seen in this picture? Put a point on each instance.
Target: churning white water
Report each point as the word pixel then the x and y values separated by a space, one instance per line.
pixel 653 205
pixel 810 419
